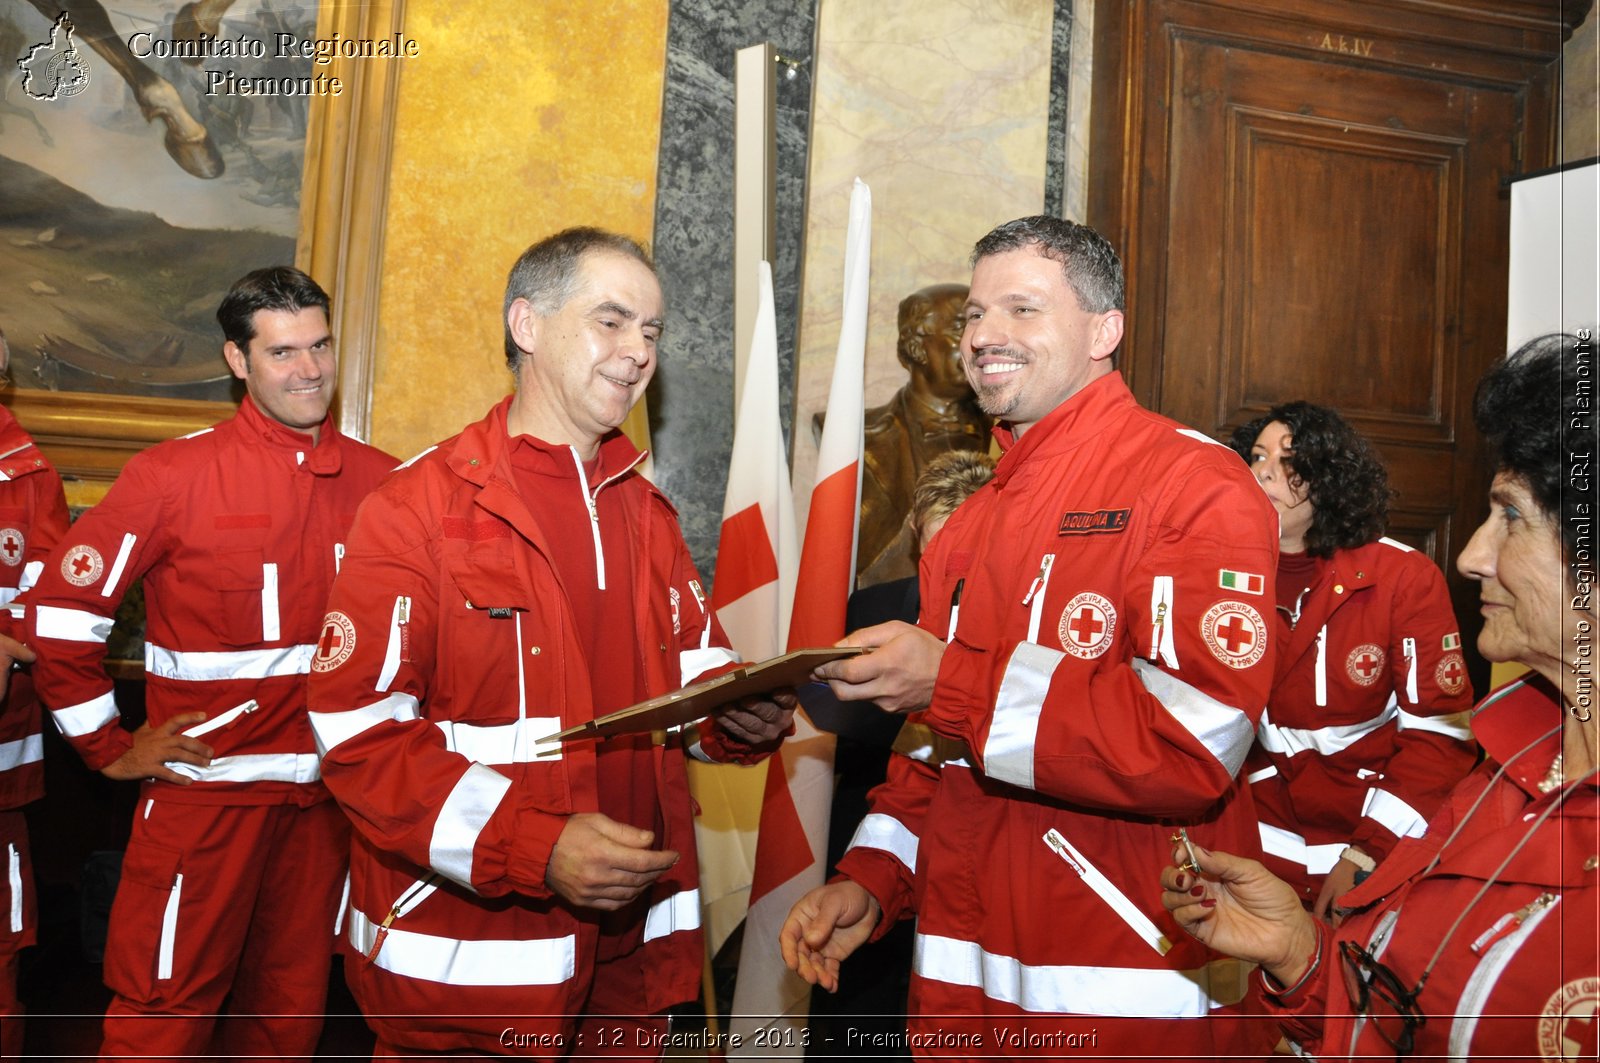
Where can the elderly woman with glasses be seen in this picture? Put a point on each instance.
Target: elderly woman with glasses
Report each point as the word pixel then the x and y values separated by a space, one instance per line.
pixel 1481 937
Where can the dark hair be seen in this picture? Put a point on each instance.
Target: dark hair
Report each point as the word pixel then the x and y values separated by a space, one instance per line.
pixel 1094 272
pixel 273 288
pixel 1536 408
pixel 546 274
pixel 1346 482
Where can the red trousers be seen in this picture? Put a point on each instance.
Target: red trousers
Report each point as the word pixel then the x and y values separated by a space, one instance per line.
pixel 18 919
pixel 217 904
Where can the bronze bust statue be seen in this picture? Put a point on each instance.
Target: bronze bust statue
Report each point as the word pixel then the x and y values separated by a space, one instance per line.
pixel 934 412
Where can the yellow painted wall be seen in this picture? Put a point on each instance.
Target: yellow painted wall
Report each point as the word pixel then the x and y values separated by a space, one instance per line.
pixel 514 121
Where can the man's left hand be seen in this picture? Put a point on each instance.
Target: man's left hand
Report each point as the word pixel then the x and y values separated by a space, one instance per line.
pixel 11 652
pixel 758 721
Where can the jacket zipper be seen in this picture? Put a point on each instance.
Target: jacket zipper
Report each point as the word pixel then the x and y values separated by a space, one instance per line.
pixel 1498 945
pixel 1035 595
pixel 1161 643
pixel 414 895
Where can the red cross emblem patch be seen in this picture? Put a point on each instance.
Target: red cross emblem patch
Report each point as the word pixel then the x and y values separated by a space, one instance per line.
pixel 1451 675
pixel 1087 624
pixel 335 644
pixel 12 546
pixel 82 565
pixel 1365 664
pixel 1235 634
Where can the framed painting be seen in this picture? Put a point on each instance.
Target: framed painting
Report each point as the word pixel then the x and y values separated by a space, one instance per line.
pixel 154 151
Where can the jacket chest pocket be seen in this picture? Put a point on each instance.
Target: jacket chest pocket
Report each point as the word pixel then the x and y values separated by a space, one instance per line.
pixel 246 597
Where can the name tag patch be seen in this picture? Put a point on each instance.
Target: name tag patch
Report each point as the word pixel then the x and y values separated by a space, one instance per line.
pixel 1093 522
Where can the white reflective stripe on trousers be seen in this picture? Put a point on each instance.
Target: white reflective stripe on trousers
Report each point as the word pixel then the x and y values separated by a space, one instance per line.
pixel 1129 992
pixel 450 961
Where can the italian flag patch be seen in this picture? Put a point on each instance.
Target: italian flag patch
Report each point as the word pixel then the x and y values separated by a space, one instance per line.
pixel 1452 641
pixel 1245 582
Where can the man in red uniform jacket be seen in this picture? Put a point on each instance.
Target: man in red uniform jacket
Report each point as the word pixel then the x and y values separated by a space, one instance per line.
pixel 510 582
pixel 1096 689
pixel 33 516
pixel 231 882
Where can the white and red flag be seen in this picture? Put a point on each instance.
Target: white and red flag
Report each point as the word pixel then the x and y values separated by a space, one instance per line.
pixel 757 558
pixel 791 851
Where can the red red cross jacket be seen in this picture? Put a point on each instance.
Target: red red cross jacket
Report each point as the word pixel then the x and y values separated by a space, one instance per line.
pixel 1110 659
pixel 33 516
pixel 449 651
pixel 236 531
pixel 1518 977
pixel 1367 726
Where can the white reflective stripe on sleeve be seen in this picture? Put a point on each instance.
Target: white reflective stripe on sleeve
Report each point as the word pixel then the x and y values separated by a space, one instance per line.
pixel 398 617
pixel 86 717
pixel 112 577
pixel 208 666
pixel 71 625
pixel 9 594
pixel 1325 740
pixel 455 833
pixel 1014 726
pixel 681 911
pixel 449 961
pixel 255 767
pixel 880 831
pixel 693 663
pixel 508 743
pixel 29 750
pixel 14 886
pixel 270 630
pixel 332 728
pixel 1457 725
pixel 1129 992
pixel 1265 773
pixel 1393 814
pixel 1287 845
pixel 30 575
pixel 169 930
pixel 1224 730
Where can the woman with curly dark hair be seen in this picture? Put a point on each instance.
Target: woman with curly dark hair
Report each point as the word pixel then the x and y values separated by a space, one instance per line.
pixel 1366 727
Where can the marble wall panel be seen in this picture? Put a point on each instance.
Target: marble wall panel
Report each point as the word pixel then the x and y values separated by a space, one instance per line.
pixel 514 121
pixel 691 400
pixel 945 110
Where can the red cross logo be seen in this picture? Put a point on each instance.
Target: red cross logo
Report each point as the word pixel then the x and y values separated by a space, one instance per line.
pixel 82 565
pixel 1364 664
pixel 1451 675
pixel 1234 633
pixel 10 546
pixel 336 643
pixel 1086 626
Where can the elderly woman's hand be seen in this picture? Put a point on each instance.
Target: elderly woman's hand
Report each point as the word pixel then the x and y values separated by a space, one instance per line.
pixel 1238 907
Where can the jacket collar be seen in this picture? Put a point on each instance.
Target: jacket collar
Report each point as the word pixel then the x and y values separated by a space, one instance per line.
pixel 323 457
pixel 1066 427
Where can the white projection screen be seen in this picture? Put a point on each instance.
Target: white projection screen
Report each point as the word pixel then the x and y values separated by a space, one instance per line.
pixel 1555 253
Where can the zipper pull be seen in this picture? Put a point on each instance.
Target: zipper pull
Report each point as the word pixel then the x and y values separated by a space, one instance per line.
pixel 1039 580
pixel 381 936
pixel 403 606
pixel 1508 923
